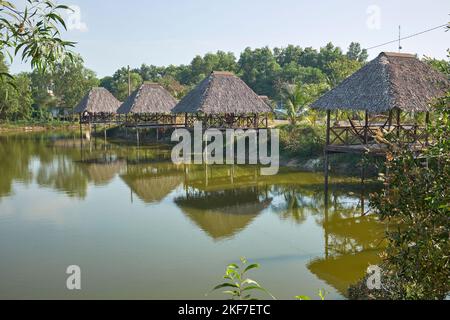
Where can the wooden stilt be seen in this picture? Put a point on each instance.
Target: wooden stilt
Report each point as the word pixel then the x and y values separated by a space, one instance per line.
pixel 328 128
pixel 366 127
pixel 137 136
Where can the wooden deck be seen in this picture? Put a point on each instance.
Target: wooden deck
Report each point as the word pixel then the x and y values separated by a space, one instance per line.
pixel 373 149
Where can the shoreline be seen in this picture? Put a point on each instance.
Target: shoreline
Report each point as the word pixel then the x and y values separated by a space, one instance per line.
pixel 314 163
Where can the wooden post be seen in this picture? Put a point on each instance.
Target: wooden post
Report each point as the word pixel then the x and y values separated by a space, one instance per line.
pixel 326 147
pixel 398 122
pixel 390 119
pixel 81 128
pixel 95 136
pixel 366 127
pixel 137 136
pixel 328 127
pixel 427 124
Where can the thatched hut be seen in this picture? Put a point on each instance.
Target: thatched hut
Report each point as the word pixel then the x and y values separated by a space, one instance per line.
pixel 223 100
pixel 390 84
pixel 98 105
pixel 149 103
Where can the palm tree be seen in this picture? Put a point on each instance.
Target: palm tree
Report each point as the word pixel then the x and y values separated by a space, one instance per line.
pixel 296 98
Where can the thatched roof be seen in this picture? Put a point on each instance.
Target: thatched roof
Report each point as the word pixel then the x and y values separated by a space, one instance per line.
pixel 222 92
pixel 98 100
pixel 392 80
pixel 266 100
pixel 148 98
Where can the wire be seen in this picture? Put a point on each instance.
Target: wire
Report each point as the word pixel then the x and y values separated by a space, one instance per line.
pixel 407 37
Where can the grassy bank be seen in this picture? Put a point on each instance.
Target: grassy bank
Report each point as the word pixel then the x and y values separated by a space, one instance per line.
pixel 36 126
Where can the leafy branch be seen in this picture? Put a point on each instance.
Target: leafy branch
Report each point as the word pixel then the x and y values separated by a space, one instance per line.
pixel 34 31
pixel 238 286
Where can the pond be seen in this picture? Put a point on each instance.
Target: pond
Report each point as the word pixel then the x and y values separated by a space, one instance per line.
pixel 141 227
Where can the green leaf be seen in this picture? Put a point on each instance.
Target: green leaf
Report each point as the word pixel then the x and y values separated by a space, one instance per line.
pixel 225 285
pixel 250 281
pixel 252 266
pixel 302 298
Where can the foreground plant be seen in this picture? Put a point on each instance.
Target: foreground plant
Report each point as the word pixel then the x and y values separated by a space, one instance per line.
pixel 321 294
pixel 242 288
pixel 239 286
pixel 33 31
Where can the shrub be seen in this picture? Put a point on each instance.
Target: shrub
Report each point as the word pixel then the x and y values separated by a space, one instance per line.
pixel 302 140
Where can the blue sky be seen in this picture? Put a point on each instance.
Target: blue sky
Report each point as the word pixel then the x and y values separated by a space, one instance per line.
pixel 112 34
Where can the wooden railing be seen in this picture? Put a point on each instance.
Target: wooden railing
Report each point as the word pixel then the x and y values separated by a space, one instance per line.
pixel 228 121
pixel 357 134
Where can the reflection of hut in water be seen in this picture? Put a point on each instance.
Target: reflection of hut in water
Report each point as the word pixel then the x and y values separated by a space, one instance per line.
pixel 102 172
pixel 343 271
pixel 222 214
pixel 352 244
pixel 152 183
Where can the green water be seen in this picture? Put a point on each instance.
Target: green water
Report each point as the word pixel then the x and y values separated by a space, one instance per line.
pixel 140 227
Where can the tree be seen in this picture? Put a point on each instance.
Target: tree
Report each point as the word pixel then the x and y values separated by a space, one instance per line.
pixel 34 32
pixel 442 66
pixel 290 54
pixel 296 98
pixel 340 69
pixel 259 69
pixel 119 84
pixel 328 55
pixel 176 89
pixel 15 96
pixel 355 52
pixel 71 81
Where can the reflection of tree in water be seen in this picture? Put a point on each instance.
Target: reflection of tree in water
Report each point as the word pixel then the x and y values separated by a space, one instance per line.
pixel 15 156
pixel 60 164
pixel 61 174
pixel 298 202
pixel 223 213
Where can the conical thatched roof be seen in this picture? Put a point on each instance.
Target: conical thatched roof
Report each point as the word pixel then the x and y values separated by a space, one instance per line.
pixel 98 100
pixel 392 80
pixel 219 93
pixel 148 98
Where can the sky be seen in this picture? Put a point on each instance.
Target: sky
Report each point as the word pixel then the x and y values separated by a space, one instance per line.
pixel 113 34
